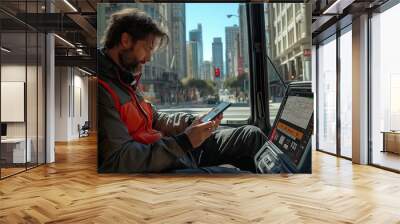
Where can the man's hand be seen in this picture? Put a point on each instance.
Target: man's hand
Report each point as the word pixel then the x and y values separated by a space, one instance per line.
pixel 198 132
pixel 218 119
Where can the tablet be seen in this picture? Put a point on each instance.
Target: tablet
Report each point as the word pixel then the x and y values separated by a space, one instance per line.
pixel 214 112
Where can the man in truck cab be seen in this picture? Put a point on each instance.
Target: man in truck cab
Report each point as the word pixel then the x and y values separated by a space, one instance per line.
pixel 133 137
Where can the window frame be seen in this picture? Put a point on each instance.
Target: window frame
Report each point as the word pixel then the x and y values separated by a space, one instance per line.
pixel 324 37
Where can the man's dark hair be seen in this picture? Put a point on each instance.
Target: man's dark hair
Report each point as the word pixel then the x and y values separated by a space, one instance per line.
pixel 134 22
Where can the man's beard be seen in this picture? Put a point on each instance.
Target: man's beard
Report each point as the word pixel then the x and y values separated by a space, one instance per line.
pixel 131 65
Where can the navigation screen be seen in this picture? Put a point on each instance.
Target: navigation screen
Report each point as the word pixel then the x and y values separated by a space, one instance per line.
pixel 294 128
pixel 298 110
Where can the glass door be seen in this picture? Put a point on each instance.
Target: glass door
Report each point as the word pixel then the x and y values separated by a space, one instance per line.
pixel 327 96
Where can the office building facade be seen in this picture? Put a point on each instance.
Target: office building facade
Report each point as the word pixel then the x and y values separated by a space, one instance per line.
pixel 243 60
pixel 217 55
pixel 289 42
pixel 196 36
pixel 189 60
pixel 207 71
pixel 177 34
pixel 231 50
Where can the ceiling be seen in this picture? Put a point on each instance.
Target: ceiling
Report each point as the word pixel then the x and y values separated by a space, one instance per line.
pixel 72 20
pixel 75 21
pixel 330 15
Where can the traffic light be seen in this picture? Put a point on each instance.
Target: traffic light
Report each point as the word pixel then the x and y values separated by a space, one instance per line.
pixel 217 72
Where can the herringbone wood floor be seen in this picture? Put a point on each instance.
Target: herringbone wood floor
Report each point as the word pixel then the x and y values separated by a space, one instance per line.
pixel 71 191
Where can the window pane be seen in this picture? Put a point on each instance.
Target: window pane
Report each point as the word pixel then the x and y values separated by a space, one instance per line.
pixel 346 94
pixel 288 48
pixel 327 96
pixel 205 62
pixel 22 78
pixel 13 80
pixel 385 86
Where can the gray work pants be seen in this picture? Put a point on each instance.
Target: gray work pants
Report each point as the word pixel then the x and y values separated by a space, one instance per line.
pixel 235 146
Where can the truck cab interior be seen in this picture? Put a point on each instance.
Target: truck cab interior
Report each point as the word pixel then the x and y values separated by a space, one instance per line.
pixel 263 75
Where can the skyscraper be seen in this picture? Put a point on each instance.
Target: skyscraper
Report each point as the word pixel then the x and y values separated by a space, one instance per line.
pixel 207 71
pixel 231 50
pixel 192 60
pixel 200 29
pixel 177 34
pixel 196 35
pixel 189 60
pixel 244 39
pixel 217 55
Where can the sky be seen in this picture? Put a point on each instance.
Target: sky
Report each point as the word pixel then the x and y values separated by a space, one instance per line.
pixel 213 18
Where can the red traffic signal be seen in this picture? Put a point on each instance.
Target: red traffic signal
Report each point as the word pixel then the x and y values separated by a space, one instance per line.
pixel 217 72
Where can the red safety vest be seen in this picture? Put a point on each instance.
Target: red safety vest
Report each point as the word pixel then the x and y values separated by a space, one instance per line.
pixel 136 115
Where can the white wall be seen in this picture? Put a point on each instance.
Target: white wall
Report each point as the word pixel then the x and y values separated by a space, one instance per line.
pixel 16 73
pixel 71 93
pixel 61 103
pixel 13 73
